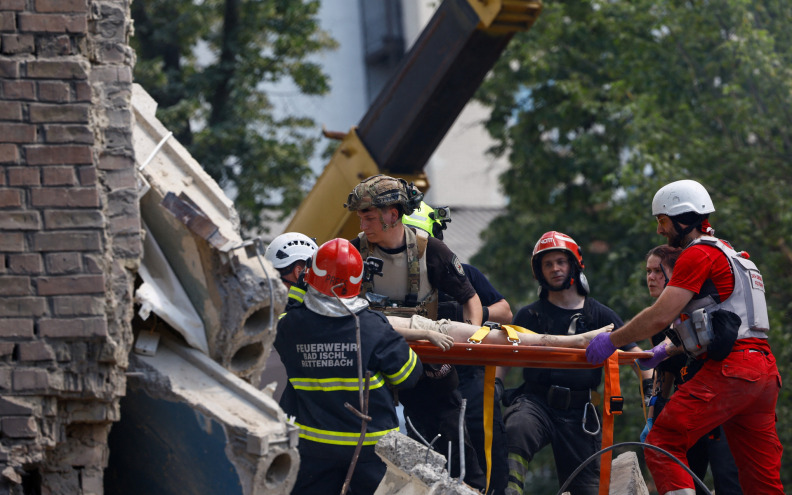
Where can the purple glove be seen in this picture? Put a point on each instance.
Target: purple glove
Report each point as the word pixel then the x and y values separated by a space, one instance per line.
pixel 600 348
pixel 659 353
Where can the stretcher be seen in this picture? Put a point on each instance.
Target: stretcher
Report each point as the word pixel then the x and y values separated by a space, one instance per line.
pixel 492 355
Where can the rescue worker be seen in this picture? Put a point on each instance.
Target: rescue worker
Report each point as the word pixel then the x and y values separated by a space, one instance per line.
pixel 716 300
pixel 288 253
pixel 548 408
pixel 317 343
pixel 415 267
pixel 712 448
pixel 496 309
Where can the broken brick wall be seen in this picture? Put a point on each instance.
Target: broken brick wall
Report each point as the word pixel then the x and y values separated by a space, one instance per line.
pixel 69 238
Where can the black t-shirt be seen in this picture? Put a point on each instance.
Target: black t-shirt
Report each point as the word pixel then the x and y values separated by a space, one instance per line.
pixel 544 317
pixel 445 272
pixel 486 292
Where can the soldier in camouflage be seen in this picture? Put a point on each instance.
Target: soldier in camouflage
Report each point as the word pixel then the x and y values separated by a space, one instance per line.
pixel 415 267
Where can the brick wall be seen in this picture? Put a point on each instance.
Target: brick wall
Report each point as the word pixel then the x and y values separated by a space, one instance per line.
pixel 69 238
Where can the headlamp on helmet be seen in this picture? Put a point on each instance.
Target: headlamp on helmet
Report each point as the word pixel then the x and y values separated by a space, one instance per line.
pixel 431 220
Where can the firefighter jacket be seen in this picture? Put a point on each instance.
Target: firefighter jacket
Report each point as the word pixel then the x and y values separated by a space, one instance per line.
pixel 320 356
pixel 296 296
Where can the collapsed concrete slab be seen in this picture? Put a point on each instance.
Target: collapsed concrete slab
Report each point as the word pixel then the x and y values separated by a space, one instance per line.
pixel 235 293
pixel 190 426
pixel 193 419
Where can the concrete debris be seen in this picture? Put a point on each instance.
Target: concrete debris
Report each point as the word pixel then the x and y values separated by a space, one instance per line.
pixel 234 291
pixel 415 470
pixel 193 419
pixel 162 293
pixel 626 476
pixel 188 422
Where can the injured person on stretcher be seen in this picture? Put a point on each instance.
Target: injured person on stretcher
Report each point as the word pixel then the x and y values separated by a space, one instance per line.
pixel 444 333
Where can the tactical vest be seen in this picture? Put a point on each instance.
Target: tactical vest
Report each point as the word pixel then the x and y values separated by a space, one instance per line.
pixel 408 295
pixel 747 299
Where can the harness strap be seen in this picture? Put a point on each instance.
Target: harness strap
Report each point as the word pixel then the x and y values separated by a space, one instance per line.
pixel 366 286
pixel 612 391
pixel 414 265
pixel 489 405
pixel 512 333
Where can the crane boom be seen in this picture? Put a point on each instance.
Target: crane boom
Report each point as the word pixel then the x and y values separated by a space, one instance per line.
pixel 416 108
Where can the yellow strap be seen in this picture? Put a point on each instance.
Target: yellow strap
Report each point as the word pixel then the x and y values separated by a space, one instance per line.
pixel 489 399
pixel 479 335
pixel 511 333
pixel 518 329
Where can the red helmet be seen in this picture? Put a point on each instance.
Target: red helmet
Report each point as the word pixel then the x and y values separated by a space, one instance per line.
pixel 557 241
pixel 336 263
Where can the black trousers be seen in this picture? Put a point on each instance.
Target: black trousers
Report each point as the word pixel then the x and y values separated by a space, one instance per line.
pixel 531 424
pixel 322 474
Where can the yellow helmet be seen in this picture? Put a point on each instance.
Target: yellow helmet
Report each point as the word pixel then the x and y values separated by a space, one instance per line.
pixel 430 220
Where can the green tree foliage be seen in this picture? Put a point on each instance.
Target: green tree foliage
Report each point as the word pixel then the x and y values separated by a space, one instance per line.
pixel 601 103
pixel 205 61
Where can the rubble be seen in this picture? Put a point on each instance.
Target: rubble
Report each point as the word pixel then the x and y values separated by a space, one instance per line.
pixel 414 469
pixel 193 419
pixel 188 422
pixel 197 228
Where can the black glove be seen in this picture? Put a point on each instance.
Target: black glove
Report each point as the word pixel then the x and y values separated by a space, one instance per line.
pixel 647 384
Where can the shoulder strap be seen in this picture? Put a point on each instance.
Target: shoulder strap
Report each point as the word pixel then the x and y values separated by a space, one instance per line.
pixel 364 247
pixel 413 265
pixel 366 286
pixel 422 240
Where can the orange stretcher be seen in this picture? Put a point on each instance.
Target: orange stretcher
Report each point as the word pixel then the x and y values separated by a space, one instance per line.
pixel 491 355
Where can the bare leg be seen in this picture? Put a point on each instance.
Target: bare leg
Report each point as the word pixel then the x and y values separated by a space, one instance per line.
pixel 462 331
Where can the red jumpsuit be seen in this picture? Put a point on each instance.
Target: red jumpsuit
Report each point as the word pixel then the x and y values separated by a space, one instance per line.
pixel 739 392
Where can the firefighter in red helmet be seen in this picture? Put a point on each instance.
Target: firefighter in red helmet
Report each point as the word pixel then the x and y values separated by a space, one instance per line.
pixel 551 404
pixel 317 344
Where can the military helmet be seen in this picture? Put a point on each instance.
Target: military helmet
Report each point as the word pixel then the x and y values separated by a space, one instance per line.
pixel 380 190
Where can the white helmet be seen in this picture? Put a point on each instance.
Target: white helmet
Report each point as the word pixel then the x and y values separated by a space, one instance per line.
pixel 682 196
pixel 288 248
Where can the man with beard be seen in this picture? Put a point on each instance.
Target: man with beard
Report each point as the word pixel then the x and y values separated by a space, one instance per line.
pixel 715 299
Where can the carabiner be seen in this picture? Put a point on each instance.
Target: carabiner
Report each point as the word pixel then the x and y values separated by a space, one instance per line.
pixel 596 418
